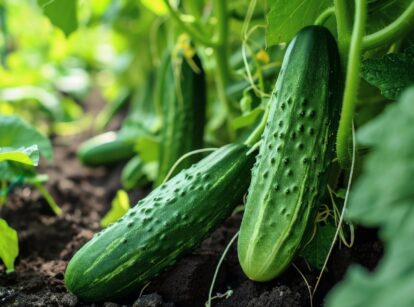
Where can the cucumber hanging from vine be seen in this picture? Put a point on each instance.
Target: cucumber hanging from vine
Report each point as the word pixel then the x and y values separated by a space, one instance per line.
pixel 182 96
pixel 297 147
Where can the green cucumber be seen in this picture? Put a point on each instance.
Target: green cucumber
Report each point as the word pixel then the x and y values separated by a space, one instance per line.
pixel 104 149
pixel 290 174
pixel 182 95
pixel 133 174
pixel 170 221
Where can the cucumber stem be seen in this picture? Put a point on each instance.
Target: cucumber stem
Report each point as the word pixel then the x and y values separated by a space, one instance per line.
pixel 254 137
pixel 351 84
pixel 324 16
pixel 49 199
pixel 388 34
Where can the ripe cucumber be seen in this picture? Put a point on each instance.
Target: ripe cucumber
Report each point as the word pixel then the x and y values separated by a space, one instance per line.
pixel 104 149
pixel 182 95
pixel 290 174
pixel 170 221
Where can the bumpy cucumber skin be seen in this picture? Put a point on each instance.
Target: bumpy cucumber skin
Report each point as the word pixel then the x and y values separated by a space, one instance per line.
pixel 169 222
pixel 104 149
pixel 290 173
pixel 183 100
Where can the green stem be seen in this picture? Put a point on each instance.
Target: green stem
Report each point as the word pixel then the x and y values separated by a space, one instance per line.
pixel 3 192
pixel 257 133
pixel 49 199
pixel 343 27
pixel 193 32
pixel 351 84
pixel 391 32
pixel 324 16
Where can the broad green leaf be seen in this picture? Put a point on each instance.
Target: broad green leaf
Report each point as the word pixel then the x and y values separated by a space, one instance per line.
pixel 148 148
pixel 286 18
pixel 25 155
pixel 156 6
pixel 383 197
pixel 120 206
pixel 317 250
pixel 391 73
pixel 9 245
pixel 61 13
pixel 16 133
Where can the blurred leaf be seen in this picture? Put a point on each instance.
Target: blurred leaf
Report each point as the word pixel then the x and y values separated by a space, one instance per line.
pixel 61 13
pixel 247 119
pixel 25 155
pixel 156 6
pixel 286 18
pixel 148 148
pixel 391 73
pixel 9 246
pixel 120 206
pixel 47 99
pixel 383 197
pixel 317 250
pixel 16 133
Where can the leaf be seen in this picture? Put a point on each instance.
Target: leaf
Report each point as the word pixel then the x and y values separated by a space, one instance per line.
pixel 16 133
pixel 148 148
pixel 9 246
pixel 316 251
pixel 61 13
pixel 391 73
pixel 286 18
pixel 158 7
pixel 24 155
pixel 384 197
pixel 120 206
pixel 247 119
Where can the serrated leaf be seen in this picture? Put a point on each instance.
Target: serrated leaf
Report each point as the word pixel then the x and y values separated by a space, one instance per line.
pixel 316 251
pixel 391 73
pixel 384 197
pixel 61 13
pixel 286 18
pixel 9 246
pixel 120 206
pixel 16 133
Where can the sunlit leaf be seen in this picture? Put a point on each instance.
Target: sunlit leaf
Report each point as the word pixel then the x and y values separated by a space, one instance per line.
pixel 120 206
pixel 156 6
pixel 9 246
pixel 61 13
pixel 25 155
pixel 148 148
pixel 16 133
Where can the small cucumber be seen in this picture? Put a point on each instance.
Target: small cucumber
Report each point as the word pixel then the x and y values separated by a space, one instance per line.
pixel 169 222
pixel 297 147
pixel 182 95
pixel 104 149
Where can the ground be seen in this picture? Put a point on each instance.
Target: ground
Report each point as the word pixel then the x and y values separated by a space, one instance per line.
pixel 47 243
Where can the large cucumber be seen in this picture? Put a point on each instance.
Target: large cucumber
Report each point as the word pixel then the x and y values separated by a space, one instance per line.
pixel 169 222
pixel 182 95
pixel 290 174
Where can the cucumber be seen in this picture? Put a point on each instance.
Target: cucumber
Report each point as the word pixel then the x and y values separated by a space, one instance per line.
pixel 290 174
pixel 182 95
pixel 170 221
pixel 133 174
pixel 104 149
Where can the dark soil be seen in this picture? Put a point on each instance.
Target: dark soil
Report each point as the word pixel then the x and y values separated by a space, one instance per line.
pixel 47 242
